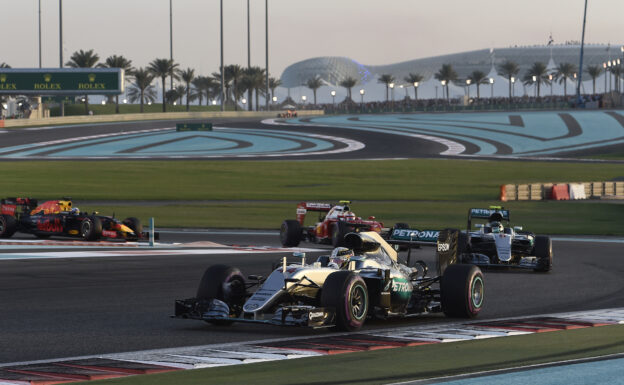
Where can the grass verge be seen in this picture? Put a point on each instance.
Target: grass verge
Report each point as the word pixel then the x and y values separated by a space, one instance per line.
pixel 260 194
pixel 403 364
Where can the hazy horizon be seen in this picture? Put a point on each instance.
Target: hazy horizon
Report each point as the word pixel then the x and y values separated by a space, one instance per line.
pixel 369 32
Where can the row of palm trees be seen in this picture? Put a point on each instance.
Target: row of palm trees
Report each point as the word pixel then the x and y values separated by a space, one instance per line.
pixel 537 75
pixel 237 81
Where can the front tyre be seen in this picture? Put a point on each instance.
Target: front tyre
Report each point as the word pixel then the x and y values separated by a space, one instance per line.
pixel 134 224
pixel 462 291
pixel 226 284
pixel 339 230
pixel 543 253
pixel 290 233
pixel 346 292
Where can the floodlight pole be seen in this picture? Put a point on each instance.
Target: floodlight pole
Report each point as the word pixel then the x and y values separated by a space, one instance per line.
pixel 266 22
pixel 222 69
pixel 171 37
pixel 39 33
pixel 62 104
pixel 580 77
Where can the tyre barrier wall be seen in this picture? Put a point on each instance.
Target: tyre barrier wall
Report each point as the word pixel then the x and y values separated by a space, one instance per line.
pixel 562 191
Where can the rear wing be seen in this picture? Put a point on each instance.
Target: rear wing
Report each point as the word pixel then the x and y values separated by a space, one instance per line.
pixel 10 206
pixel 304 207
pixel 496 212
pixel 413 237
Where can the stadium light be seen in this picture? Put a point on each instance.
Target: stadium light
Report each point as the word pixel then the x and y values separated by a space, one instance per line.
pixel 333 95
pixel 415 90
pixel 491 88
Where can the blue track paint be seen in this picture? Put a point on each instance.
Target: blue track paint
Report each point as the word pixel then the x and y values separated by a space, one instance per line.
pixel 542 132
pixel 597 372
pixel 168 143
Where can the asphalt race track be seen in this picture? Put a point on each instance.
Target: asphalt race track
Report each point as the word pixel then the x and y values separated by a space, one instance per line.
pixel 64 307
pixel 67 305
pixel 501 135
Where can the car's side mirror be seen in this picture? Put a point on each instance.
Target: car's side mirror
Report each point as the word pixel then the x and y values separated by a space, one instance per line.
pixel 479 225
pixel 517 228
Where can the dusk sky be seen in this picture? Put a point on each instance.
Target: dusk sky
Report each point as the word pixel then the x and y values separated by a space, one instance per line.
pixel 371 32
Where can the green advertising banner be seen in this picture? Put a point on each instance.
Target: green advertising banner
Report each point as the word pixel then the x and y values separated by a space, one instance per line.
pixel 61 81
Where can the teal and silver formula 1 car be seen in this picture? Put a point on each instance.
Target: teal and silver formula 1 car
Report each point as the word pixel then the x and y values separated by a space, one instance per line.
pixel 362 280
pixel 496 243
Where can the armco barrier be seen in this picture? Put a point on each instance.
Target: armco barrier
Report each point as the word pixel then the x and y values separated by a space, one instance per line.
pixel 541 191
pixel 560 192
pixel 149 116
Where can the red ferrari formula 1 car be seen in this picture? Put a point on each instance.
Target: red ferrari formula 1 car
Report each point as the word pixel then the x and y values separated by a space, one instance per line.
pixel 59 218
pixel 335 221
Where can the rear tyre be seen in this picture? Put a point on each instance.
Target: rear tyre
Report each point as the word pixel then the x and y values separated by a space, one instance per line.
pixel 134 224
pixel 290 233
pixel 543 253
pixel 8 226
pixel 339 230
pixel 346 292
pixel 226 284
pixel 91 228
pixel 462 291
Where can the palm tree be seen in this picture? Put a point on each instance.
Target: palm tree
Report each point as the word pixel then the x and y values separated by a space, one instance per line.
pixel 563 72
pixel 446 74
pixel 348 83
pixel 509 70
pixel 142 88
pixel 478 78
pixel 273 84
pixel 413 79
pixel 4 65
pixel 163 68
pixel 537 74
pixel 115 61
pixel 594 72
pixel 180 91
pixel 235 73
pixel 83 59
pixel 314 84
pixel 386 79
pixel 187 76
pixel 253 80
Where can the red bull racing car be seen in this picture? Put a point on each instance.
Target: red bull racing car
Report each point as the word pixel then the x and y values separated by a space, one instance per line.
pixel 335 221
pixel 59 218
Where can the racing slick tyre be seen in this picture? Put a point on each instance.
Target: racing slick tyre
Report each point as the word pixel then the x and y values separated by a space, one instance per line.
pixel 91 228
pixel 346 292
pixel 462 291
pixel 543 253
pixel 8 226
pixel 339 230
pixel 290 233
pixel 134 224
pixel 226 284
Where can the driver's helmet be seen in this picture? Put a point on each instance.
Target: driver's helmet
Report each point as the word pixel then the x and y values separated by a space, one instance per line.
pixel 497 227
pixel 339 256
pixel 75 211
pixel 349 215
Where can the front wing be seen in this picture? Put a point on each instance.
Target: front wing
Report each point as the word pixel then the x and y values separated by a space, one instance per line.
pixel 218 311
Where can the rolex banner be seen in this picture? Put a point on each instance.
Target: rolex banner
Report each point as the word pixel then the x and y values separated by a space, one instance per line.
pixel 61 81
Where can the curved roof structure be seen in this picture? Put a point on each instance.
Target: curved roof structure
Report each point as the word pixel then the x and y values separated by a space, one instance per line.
pixel 334 69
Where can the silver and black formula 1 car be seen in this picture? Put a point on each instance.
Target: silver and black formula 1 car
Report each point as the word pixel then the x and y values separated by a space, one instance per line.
pixel 496 243
pixel 364 279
